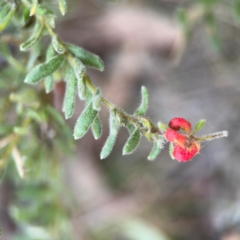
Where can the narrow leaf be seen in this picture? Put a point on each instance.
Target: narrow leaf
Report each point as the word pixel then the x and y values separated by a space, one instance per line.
pixel 70 94
pixel 96 128
pixel 62 6
pixel 87 58
pixel 97 100
pixel 5 17
pixel 34 38
pixel 58 46
pixel 130 128
pixel 18 162
pixel 34 7
pixel 43 70
pixel 132 142
pixel 79 70
pixel 114 126
pixel 84 121
pixel 144 104
pixel 48 82
pixel 199 125
pixel 155 151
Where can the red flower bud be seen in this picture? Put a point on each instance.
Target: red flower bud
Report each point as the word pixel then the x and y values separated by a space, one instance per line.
pixel 175 137
pixel 180 123
pixel 183 154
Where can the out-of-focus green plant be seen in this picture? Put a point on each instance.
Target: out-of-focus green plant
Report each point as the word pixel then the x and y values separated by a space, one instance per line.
pixel 33 59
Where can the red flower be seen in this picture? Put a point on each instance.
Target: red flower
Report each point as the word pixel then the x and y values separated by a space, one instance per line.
pixel 175 137
pixel 184 154
pixel 180 123
pixel 183 147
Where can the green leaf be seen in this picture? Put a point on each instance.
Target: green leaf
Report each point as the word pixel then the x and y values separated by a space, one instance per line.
pixel 43 11
pixel 80 70
pixel 96 128
pixel 62 6
pixel 6 13
pixel 48 82
pixel 43 70
pixel 130 128
pixel 37 32
pixel 199 125
pixel 114 126
pixel 155 151
pixel 70 93
pixel 21 130
pixel 87 58
pixel 34 7
pixel 144 103
pixel 57 45
pixel 132 142
pixel 97 98
pixel 84 121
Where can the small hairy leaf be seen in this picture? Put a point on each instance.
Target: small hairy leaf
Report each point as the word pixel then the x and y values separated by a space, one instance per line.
pixel 96 128
pixel 34 38
pixel 70 93
pixel 84 121
pixel 87 58
pixel 62 6
pixel 48 82
pixel 79 70
pixel 43 70
pixel 199 125
pixel 59 48
pixel 144 103
pixel 130 128
pixel 97 100
pixel 155 151
pixel 132 142
pixel 114 126
pixel 6 13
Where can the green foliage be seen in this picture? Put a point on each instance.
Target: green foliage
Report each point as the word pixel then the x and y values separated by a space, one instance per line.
pixel 199 125
pixel 144 104
pixel 96 128
pixel 87 58
pixel 70 93
pixel 114 126
pixel 155 151
pixel 132 142
pixel 44 70
pixel 37 134
pixel 34 38
pixel 84 121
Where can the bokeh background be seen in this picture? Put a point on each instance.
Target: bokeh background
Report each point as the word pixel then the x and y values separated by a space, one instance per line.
pixel 192 75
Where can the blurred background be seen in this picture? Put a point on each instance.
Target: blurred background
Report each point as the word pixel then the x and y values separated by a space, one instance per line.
pixel 191 69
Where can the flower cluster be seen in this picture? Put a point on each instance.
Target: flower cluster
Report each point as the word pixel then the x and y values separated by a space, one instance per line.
pixel 183 145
